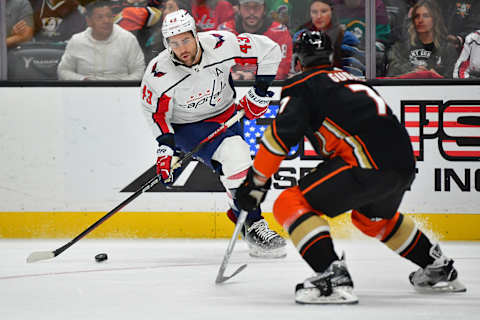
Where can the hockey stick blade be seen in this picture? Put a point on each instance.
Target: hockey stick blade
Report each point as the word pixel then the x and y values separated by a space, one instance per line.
pixel 231 244
pixel 40 255
pixel 44 255
pixel 221 278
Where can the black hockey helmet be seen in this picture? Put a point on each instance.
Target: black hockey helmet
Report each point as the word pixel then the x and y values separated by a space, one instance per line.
pixel 312 48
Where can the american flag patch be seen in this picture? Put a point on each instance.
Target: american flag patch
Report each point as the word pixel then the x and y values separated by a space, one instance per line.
pixel 253 129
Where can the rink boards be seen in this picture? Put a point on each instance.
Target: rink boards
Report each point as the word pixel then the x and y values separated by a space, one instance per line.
pixel 69 155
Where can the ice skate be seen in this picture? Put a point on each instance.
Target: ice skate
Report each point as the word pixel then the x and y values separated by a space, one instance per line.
pixel 262 241
pixel 440 276
pixel 333 286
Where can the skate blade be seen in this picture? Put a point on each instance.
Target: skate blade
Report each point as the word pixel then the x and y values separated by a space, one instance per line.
pixel 442 287
pixel 278 253
pixel 340 295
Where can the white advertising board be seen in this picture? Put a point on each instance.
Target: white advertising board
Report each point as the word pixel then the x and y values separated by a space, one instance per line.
pixel 75 149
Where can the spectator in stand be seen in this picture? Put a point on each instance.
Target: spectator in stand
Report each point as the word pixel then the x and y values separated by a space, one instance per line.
pixel 461 17
pixel 57 20
pixel 279 10
pixel 299 14
pixel 397 11
pixel 209 14
pixel 143 20
pixel 118 5
pixel 468 64
pixel 252 19
pixel 156 39
pixel 104 51
pixel 427 53
pixel 352 14
pixel 323 17
pixel 19 22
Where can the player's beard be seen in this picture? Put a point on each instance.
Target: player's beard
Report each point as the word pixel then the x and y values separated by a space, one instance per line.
pixel 187 58
pixel 253 21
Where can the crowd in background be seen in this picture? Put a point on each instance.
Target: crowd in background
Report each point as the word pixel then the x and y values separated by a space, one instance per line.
pixel 115 39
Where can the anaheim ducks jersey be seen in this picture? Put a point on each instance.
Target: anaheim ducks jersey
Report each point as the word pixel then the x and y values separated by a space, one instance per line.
pixel 173 93
pixel 342 117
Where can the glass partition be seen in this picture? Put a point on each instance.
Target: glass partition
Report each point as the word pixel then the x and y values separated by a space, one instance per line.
pixel 88 40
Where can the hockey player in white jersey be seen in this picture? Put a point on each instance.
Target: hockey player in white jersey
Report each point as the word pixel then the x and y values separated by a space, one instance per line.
pixel 468 63
pixel 187 92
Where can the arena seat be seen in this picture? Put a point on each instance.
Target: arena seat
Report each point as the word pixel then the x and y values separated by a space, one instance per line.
pixel 35 61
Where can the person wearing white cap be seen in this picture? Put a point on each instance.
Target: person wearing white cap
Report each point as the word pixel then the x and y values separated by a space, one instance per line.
pixel 187 92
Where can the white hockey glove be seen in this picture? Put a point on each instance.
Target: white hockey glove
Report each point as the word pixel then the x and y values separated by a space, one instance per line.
pixel 166 159
pixel 255 104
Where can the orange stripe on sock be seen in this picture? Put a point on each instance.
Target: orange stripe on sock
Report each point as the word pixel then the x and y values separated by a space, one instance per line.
pixel 413 245
pixel 313 242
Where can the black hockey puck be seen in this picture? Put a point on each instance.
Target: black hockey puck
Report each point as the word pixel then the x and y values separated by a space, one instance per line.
pixel 101 257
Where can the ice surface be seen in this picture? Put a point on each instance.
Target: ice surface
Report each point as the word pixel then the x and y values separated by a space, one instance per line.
pixel 175 279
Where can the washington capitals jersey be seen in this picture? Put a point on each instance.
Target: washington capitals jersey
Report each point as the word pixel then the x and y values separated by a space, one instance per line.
pixel 173 93
pixel 342 117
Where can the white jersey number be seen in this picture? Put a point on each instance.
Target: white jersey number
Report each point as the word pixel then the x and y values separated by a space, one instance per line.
pixel 381 105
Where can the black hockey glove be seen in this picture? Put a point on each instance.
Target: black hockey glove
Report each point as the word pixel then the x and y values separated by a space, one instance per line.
pixel 251 192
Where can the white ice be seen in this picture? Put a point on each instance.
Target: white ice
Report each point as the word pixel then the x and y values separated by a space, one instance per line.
pixel 175 279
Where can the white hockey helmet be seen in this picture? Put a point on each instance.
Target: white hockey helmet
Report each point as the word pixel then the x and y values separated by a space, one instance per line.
pixel 178 22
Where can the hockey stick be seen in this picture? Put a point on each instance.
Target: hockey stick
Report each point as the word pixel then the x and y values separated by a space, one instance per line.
pixel 44 255
pixel 220 276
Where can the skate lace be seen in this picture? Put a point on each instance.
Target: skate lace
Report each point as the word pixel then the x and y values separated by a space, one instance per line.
pixel 262 230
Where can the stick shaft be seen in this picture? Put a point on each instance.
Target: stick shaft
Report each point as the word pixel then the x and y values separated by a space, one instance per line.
pixel 152 182
pixel 147 186
pixel 231 244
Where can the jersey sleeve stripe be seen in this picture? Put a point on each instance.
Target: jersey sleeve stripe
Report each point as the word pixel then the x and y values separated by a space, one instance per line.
pixel 354 150
pixel 462 71
pixel 367 153
pixel 241 60
pixel 160 115
pixel 277 138
pixel 271 143
pixel 267 163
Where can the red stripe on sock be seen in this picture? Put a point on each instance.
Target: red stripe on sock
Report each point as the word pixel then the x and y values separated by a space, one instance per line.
pixel 412 246
pixel 313 242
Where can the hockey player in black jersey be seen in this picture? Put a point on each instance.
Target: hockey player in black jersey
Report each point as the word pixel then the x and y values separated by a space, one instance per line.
pixel 368 165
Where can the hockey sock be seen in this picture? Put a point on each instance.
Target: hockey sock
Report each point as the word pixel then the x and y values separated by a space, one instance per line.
pixel 409 242
pixel 400 234
pixel 310 233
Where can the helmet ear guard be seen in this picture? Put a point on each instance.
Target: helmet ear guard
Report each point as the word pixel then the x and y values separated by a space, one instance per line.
pixel 312 48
